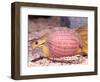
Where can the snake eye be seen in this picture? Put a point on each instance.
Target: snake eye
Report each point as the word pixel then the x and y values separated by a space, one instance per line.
pixel 36 42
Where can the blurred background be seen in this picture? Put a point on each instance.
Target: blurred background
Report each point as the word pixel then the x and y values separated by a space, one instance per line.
pixel 37 23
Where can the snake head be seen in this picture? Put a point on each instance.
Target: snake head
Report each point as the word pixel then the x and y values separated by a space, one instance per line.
pixel 38 42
